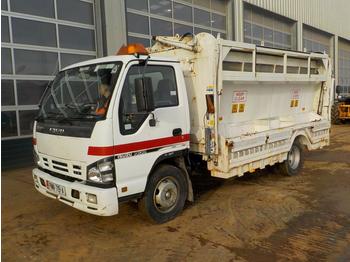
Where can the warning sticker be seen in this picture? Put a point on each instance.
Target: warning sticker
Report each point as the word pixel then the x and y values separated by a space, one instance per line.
pixel 239 96
pixel 234 108
pixel 295 93
pixel 241 108
pixel 295 96
pixel 294 103
pixel 238 108
pixel 210 89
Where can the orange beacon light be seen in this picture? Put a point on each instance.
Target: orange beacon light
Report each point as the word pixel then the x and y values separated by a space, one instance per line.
pixel 132 49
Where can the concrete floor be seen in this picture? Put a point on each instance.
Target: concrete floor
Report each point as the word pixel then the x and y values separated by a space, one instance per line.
pixel 261 217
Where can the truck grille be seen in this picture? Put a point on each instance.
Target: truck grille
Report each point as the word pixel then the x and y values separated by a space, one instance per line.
pixel 60 176
pixel 62 167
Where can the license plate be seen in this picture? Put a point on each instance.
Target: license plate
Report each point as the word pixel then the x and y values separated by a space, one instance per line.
pixel 58 189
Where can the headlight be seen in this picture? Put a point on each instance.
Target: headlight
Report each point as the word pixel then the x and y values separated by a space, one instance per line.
pixel 94 175
pixel 102 171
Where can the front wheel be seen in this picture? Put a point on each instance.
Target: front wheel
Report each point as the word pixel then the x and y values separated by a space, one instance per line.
pixel 295 160
pixel 165 194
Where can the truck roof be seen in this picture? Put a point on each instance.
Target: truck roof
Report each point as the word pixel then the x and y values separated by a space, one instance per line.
pixel 120 58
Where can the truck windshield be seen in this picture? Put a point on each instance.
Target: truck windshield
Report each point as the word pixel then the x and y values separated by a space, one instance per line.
pixel 81 93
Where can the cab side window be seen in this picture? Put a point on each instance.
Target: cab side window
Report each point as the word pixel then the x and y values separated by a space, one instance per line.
pixel 164 92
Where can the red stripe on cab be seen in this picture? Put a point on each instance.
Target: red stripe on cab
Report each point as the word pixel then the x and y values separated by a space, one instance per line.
pixel 136 146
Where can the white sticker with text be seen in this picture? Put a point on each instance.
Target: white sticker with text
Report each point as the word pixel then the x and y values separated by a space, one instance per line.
pixel 295 93
pixel 239 96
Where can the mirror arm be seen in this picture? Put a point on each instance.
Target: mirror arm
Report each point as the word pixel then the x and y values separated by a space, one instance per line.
pixel 152 121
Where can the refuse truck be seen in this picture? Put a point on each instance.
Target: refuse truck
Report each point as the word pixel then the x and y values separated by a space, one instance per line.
pixel 136 125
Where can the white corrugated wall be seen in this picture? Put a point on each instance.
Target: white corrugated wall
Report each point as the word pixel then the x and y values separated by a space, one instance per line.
pixel 332 16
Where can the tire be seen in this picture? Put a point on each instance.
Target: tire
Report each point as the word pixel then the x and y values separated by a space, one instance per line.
pixel 335 114
pixel 165 194
pixel 295 160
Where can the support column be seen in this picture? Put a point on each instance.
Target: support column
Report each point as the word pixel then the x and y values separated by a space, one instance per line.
pixel 99 28
pixel 238 20
pixel 336 59
pixel 230 20
pixel 114 25
pixel 300 46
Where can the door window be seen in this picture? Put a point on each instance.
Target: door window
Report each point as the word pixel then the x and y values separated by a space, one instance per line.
pixel 164 93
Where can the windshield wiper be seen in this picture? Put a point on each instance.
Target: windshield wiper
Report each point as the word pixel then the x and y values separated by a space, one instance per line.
pixel 65 120
pixel 89 115
pixel 76 115
pixel 49 115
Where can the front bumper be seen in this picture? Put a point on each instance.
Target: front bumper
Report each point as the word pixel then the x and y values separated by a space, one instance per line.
pixel 107 198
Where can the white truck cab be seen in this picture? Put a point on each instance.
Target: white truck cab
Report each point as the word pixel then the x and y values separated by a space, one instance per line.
pixel 133 126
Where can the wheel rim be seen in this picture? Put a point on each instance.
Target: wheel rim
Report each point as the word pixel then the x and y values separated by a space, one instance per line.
pixel 166 194
pixel 294 157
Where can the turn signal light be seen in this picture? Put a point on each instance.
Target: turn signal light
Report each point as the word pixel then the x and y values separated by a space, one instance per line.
pixel 132 49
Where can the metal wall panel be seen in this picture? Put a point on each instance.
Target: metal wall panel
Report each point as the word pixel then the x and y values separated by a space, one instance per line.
pixel 263 28
pixel 317 41
pixel 344 63
pixel 330 16
pixel 147 18
pixel 38 39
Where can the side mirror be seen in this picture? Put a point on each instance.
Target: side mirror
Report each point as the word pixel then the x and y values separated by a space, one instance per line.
pixel 338 89
pixel 144 94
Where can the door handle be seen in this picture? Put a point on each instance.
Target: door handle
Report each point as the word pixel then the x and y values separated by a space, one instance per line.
pixel 177 132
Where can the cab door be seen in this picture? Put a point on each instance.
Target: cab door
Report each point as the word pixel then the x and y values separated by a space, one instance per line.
pixel 138 142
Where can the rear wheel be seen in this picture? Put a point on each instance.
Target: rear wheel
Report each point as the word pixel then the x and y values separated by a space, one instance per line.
pixel 335 114
pixel 295 160
pixel 165 194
